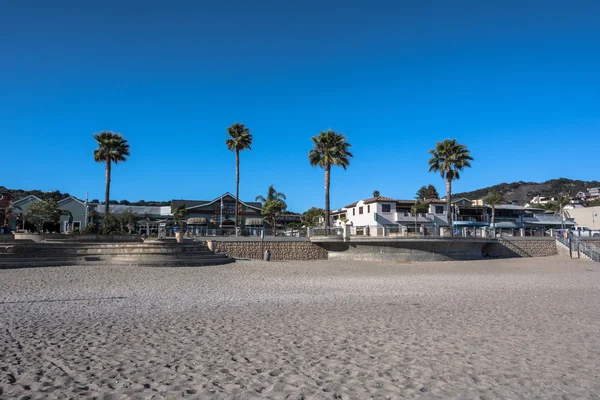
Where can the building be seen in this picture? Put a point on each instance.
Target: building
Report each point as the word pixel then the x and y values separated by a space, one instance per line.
pixel 384 214
pixel 210 217
pixel 593 194
pixel 19 220
pixel 74 216
pixel 156 220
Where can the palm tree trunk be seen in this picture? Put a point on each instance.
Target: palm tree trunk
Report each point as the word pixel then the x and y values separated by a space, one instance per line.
pixel 107 192
pixel 448 204
pixel 327 184
pixel 494 220
pixel 237 188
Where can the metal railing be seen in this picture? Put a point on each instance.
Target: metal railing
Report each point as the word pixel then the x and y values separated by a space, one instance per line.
pixel 332 231
pixel 577 246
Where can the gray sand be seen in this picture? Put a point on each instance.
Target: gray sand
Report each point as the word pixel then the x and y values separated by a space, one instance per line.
pixel 522 328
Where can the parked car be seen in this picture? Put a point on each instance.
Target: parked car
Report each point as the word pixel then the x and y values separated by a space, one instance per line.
pixel 584 231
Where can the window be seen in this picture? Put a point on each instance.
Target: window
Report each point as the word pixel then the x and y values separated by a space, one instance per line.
pixel 386 208
pixel 439 209
pixel 354 211
pixel 368 209
pixel 360 210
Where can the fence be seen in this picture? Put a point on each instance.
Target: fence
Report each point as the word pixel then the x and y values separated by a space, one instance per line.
pixel 402 231
pixel 333 231
pixel 253 232
pixel 590 249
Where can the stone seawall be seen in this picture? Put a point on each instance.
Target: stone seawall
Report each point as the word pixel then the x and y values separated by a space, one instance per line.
pixel 522 247
pixel 280 249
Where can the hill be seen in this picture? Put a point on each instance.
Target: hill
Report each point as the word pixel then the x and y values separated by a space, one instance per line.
pixel 57 196
pixel 523 192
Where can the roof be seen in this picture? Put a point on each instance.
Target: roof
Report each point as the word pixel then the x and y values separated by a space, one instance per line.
pixel 510 207
pixel 461 199
pixel 378 199
pixel 26 199
pixel 3 190
pixel 139 210
pixel 70 198
pixel 189 204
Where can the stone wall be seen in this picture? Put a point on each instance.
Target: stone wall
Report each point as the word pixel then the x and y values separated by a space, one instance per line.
pixel 522 247
pixel 280 249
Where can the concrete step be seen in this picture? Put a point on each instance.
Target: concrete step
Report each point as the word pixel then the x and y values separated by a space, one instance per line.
pixel 150 261
pixel 20 249
pixel 74 252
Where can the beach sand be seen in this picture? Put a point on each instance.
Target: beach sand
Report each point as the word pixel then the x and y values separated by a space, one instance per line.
pixel 497 329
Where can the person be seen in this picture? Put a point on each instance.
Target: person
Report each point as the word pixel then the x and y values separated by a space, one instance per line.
pixel 70 223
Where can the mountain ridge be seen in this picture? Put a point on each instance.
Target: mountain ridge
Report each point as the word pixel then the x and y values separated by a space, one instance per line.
pixel 523 192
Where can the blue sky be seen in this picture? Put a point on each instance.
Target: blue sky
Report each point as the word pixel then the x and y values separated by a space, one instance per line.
pixel 516 81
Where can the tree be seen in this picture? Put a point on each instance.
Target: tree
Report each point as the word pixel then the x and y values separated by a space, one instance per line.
pixel 271 209
pixel 110 224
pixel 313 216
pixel 559 208
pixel 595 203
pixel 329 148
pixel 112 148
pixel 449 158
pixel 9 211
pixel 417 208
pixel 43 212
pixel 272 194
pixel 179 215
pixel 427 193
pixel 128 220
pixel 241 139
pixel 493 199
pixel 376 193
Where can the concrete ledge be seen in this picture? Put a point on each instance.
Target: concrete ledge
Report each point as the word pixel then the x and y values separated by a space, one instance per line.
pixel 77 237
pixel 20 254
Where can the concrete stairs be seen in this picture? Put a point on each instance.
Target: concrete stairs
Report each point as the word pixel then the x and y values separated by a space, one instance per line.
pixel 22 255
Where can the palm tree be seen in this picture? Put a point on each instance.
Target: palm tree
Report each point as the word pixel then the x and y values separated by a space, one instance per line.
pixel 417 208
pixel 493 199
pixel 241 139
pixel 449 158
pixel 272 194
pixel 112 148
pixel 559 208
pixel 329 148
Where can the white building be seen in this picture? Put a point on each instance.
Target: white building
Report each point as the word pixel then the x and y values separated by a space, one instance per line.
pixel 383 212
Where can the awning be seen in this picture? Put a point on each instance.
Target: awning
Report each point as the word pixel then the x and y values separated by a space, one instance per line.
pixel 196 221
pixel 254 221
pixel 470 223
pixel 550 223
pixel 507 225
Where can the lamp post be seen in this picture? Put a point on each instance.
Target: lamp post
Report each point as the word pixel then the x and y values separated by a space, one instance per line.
pixel 594 215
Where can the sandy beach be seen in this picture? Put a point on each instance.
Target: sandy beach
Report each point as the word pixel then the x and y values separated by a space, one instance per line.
pixel 499 329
